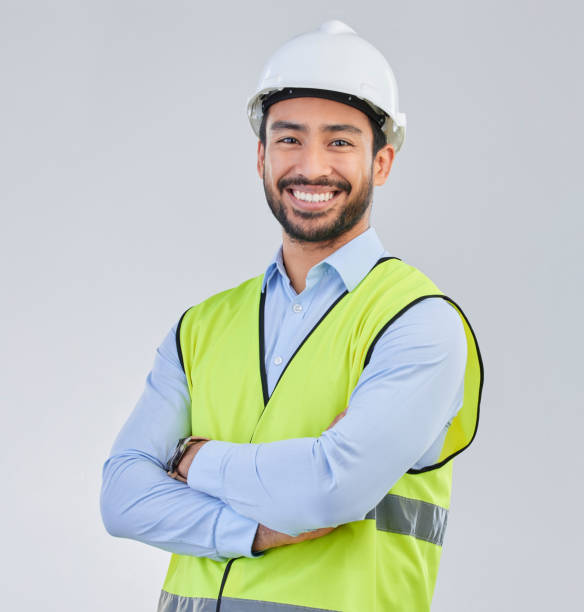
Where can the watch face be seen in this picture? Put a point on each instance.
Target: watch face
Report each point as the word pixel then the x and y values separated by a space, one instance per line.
pixel 178 453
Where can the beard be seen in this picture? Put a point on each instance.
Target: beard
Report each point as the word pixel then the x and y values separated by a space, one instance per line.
pixel 345 219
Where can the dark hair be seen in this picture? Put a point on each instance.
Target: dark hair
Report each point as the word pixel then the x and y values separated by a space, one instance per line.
pixel 379 139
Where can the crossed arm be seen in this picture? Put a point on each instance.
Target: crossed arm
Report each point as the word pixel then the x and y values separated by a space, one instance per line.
pixel 397 418
pixel 265 537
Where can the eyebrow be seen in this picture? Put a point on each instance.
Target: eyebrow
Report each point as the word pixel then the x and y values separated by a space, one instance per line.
pixel 288 125
pixel 341 127
pixel 299 127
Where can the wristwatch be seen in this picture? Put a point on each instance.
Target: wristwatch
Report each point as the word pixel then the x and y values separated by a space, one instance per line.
pixel 181 448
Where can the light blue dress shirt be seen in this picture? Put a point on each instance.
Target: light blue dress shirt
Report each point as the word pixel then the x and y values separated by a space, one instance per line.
pixel 398 416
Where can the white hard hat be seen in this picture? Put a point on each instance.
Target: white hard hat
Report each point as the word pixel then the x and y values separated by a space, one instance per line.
pixel 328 61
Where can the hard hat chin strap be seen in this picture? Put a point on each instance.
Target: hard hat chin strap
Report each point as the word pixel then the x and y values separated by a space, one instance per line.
pixel 336 96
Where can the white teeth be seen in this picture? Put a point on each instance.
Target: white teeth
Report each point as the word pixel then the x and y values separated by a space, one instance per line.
pixel 313 197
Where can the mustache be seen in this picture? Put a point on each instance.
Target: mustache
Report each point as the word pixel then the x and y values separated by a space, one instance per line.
pixel 283 183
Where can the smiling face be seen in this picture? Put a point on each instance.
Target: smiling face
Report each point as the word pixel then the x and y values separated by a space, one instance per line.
pixel 318 168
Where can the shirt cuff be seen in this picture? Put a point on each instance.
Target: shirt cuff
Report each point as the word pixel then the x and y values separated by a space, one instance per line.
pixel 234 534
pixel 206 470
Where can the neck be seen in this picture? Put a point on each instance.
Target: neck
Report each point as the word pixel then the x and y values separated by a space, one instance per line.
pixel 299 256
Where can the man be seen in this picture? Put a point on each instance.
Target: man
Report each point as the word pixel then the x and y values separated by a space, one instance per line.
pixel 317 406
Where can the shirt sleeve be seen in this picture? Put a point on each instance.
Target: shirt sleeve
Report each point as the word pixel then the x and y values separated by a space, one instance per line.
pixel 140 501
pixel 398 416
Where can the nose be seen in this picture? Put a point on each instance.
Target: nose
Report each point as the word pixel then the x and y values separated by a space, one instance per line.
pixel 313 161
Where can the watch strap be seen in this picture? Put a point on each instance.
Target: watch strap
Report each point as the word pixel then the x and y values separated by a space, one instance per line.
pixel 181 448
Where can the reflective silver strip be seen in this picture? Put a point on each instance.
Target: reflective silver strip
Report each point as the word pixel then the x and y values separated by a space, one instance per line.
pixel 393 513
pixel 411 517
pixel 169 602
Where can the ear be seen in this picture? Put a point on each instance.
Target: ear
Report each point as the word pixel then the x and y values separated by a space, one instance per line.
pixel 382 164
pixel 261 158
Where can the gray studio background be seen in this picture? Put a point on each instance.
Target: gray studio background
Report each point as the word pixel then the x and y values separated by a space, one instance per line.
pixel 129 192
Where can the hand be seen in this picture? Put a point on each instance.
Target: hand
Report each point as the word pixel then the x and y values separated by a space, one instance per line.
pixel 185 463
pixel 268 538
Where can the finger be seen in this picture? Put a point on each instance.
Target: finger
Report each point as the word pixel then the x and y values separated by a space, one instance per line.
pixel 337 418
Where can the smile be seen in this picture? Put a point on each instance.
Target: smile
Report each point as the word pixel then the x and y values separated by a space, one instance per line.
pixel 313 197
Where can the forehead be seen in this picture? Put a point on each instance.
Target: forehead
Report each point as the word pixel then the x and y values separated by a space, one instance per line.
pixel 316 112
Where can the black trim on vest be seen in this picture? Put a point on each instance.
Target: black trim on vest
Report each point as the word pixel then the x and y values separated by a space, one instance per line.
pixel 263 350
pixel 177 338
pixel 262 341
pixel 435 466
pixel 223 581
pixel 381 260
pixel 308 336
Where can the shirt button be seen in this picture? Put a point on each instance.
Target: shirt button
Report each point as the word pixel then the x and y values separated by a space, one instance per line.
pixel 297 308
pixel 277 361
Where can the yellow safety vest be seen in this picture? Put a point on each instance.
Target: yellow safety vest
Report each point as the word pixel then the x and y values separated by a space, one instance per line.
pixel 389 560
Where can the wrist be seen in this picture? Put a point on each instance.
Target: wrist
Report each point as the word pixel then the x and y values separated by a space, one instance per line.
pixel 263 540
pixel 269 538
pixel 184 445
pixel 189 456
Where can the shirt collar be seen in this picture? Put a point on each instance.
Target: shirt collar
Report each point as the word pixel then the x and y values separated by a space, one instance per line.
pixel 276 265
pixel 352 261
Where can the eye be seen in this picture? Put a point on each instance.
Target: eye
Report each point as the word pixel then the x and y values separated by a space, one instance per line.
pixel 341 143
pixel 288 140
